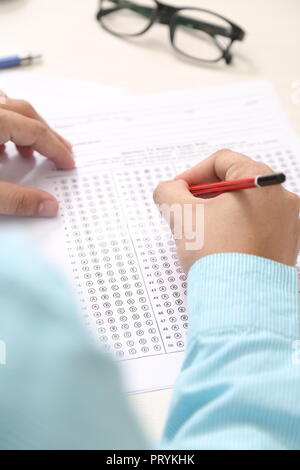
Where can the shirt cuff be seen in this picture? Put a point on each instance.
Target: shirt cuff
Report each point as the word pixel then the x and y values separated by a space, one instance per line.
pixel 240 291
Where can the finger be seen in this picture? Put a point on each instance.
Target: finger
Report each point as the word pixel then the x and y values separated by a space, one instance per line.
pixel 23 201
pixel 203 172
pixel 26 109
pixel 223 165
pixel 233 165
pixel 63 140
pixel 173 192
pixel 25 151
pixel 26 132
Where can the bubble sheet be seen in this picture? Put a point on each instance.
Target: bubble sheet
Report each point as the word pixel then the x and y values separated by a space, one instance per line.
pixel 130 283
pixel 110 239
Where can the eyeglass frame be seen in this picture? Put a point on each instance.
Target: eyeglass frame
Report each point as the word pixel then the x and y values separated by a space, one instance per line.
pixel 167 15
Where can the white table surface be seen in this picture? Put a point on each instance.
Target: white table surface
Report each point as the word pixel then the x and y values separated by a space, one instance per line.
pixel 74 45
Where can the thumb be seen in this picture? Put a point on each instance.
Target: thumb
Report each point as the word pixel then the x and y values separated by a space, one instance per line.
pixel 24 201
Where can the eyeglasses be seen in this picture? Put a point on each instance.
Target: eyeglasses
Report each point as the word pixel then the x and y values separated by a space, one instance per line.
pixel 195 33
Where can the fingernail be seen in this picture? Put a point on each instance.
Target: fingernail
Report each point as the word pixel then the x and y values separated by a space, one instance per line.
pixel 73 163
pixel 48 208
pixel 69 164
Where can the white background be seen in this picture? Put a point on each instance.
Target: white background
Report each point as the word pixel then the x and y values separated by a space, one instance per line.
pixel 74 45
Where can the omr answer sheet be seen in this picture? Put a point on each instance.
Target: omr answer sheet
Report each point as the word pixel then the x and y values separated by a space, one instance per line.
pixel 109 239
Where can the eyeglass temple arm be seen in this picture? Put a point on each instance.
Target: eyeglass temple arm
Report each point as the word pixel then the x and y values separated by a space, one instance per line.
pixel 213 30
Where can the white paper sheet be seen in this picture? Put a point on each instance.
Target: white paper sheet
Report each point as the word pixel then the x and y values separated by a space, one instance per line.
pixel 109 239
pixel 53 95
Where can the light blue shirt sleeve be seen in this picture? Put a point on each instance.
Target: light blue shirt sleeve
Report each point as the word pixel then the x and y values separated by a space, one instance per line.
pixel 239 387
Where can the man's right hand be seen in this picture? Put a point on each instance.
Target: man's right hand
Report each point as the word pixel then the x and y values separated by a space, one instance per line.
pixel 262 221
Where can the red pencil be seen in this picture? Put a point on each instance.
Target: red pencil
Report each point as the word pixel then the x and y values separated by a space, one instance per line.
pixel 236 185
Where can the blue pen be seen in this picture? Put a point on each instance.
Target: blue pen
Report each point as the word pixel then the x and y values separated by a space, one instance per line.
pixel 18 60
